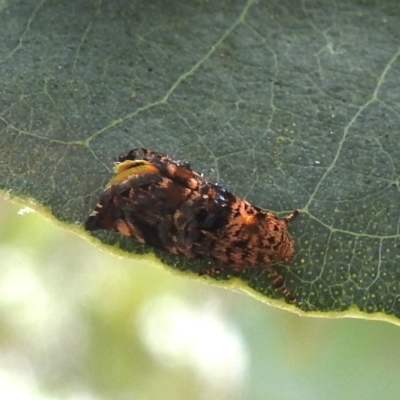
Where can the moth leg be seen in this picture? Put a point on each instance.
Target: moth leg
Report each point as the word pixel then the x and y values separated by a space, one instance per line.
pixel 220 268
pixel 277 279
pixel 279 284
pixel 210 271
pixel 291 216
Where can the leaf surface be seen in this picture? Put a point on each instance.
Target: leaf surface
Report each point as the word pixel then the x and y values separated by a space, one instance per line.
pixel 289 104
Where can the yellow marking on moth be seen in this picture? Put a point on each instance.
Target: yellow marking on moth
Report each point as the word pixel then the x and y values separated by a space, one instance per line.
pixel 127 164
pixel 131 167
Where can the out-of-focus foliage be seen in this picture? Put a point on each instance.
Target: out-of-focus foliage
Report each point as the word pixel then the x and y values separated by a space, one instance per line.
pixel 78 323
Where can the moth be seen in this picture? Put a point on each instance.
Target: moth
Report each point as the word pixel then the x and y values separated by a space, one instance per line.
pixel 163 203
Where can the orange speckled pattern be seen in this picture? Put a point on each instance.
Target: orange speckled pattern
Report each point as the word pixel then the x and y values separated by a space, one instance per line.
pixel 163 203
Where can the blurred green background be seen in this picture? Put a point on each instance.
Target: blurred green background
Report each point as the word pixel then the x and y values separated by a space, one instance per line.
pixel 79 323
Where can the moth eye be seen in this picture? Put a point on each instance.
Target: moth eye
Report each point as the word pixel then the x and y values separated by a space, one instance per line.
pixel 220 197
pixel 206 219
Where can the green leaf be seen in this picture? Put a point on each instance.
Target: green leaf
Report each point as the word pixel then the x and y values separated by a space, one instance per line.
pixel 288 104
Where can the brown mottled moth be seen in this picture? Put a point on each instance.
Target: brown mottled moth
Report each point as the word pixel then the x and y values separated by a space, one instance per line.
pixel 163 203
